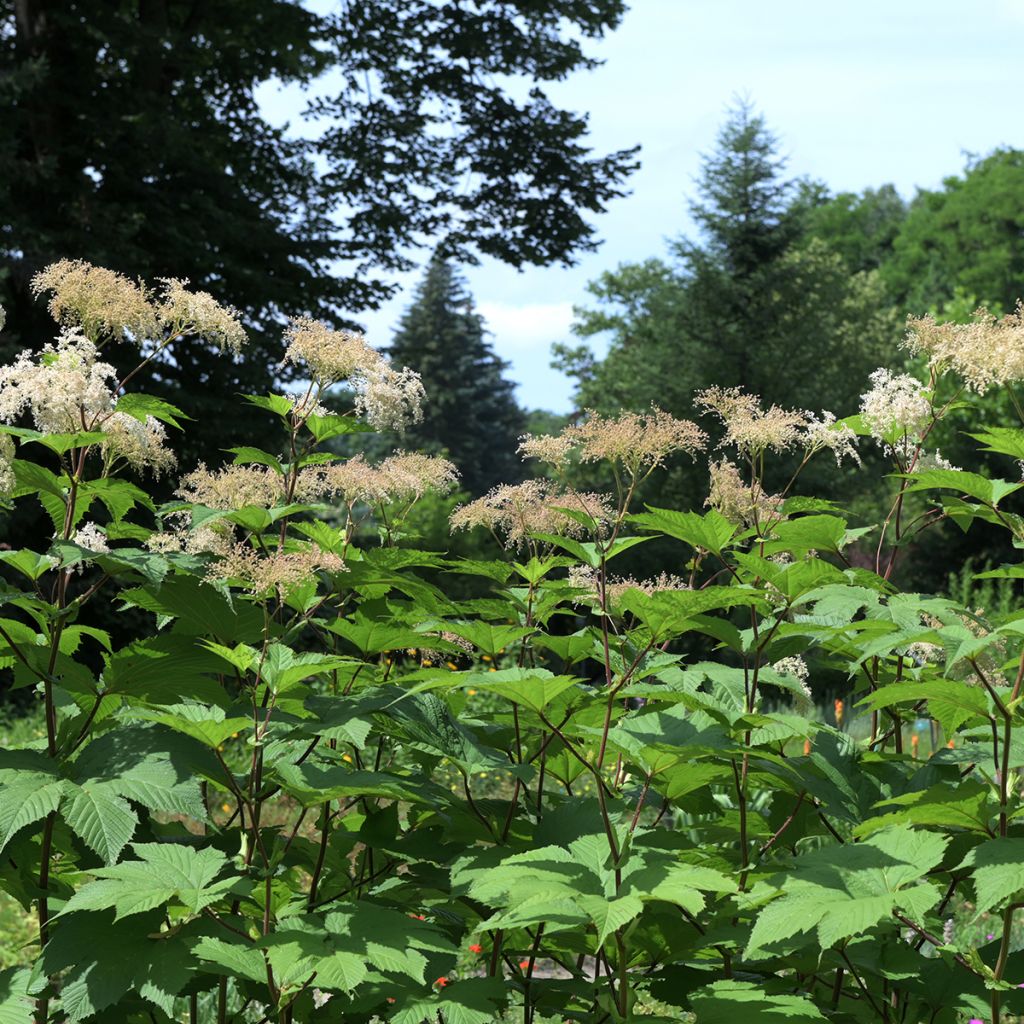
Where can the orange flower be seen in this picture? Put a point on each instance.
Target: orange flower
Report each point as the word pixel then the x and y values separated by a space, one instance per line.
pixel 441 982
pixel 419 917
pixel 391 999
pixel 839 712
pixel 476 948
pixel 523 964
pixel 950 744
pixel 915 743
pixel 807 746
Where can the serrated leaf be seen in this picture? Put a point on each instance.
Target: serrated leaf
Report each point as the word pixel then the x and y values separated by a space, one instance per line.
pixel 711 531
pixel 101 818
pixel 164 872
pixel 731 1002
pixel 16 1005
pixel 610 915
pixel 997 870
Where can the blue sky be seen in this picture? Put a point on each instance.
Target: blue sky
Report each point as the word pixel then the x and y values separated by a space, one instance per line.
pixel 860 93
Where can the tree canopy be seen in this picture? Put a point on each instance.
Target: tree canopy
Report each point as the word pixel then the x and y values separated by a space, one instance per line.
pixel 133 135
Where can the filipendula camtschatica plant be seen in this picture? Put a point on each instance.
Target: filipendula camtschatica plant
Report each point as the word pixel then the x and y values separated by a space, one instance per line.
pixel 314 787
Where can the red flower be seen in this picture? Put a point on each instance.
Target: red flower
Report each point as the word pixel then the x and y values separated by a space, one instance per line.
pixel 523 964
pixel 476 948
pixel 441 982
pixel 419 917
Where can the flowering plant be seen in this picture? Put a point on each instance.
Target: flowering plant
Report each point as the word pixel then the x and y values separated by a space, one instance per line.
pixel 268 804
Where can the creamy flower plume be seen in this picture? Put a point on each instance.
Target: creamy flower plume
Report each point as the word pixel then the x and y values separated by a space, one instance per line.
pixel 403 477
pixel 895 407
pixel 822 433
pixel 141 443
pixel 65 387
pixel 3 317
pixel 634 440
pixel 92 538
pixel 97 301
pixel 281 570
pixel 199 313
pixel 390 399
pixel 796 667
pixel 330 356
pixel 987 352
pixel 748 426
pixel 232 487
pixel 103 304
pixel 737 500
pixel 514 511
pixel 585 578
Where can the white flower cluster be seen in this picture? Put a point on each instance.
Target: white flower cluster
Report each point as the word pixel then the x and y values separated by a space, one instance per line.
pixel 390 399
pixel 66 388
pixel 896 407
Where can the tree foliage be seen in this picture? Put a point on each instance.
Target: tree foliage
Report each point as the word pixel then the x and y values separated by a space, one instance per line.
pixel 473 416
pixel 133 132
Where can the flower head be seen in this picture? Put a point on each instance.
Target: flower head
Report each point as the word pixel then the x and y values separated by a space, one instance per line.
pixel 92 538
pixel 986 352
pixel 65 387
pixel 896 406
pixel 736 500
pixel 634 440
pixel 748 426
pixel 330 356
pixel 823 433
pixel 514 511
pixel 141 443
pixel 199 313
pixel 98 302
pixel 282 570
pixel 232 487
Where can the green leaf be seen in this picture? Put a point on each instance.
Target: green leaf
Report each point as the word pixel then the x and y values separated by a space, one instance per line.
pixel 711 531
pixel 247 455
pixel 610 915
pixel 102 818
pixel 26 801
pixel 139 406
pixel 967 807
pixel 488 638
pixel 1004 440
pixel 533 688
pixel 743 1002
pixel 16 1005
pixel 843 891
pixel 164 872
pixel 998 872
pixel 991 492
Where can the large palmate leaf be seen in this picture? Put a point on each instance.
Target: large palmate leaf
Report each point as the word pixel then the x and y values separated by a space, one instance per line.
pixel 162 874
pixel 729 1002
pixel 843 891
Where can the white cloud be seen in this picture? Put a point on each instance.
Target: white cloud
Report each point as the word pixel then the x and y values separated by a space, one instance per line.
pixel 526 328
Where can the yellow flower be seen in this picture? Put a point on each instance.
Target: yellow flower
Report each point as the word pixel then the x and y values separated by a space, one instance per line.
pixel 426 664
pixel 452 665
pixel 347 757
pixel 485 657
pixel 226 808
pixel 472 693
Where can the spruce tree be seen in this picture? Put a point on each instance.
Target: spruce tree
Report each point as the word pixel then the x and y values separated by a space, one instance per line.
pixel 471 412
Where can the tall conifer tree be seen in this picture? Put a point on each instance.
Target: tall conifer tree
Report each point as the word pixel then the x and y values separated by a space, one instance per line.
pixel 472 413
